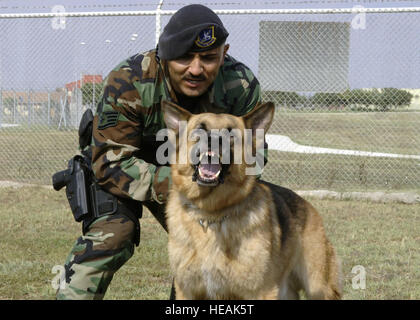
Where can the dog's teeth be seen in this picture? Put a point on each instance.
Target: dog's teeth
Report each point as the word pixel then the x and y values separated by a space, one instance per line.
pixel 209 154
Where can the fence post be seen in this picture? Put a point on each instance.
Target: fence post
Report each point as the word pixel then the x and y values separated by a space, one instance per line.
pixel 49 108
pixel 81 102
pixel 1 107
pixel 63 102
pixel 32 107
pixel 14 106
pixel 28 104
pixel 158 22
pixel 93 91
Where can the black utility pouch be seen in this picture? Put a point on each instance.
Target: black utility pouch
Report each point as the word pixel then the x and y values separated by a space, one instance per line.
pixel 103 202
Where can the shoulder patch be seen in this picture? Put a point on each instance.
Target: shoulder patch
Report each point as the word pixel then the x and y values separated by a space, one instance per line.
pixel 108 119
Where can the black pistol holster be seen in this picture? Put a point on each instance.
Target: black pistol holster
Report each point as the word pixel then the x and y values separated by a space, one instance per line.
pixel 76 179
pixel 88 201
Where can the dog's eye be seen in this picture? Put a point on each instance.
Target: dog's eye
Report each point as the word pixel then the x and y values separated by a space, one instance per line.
pixel 198 134
pixel 202 126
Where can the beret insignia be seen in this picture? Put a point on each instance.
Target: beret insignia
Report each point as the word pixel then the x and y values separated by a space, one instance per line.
pixel 205 38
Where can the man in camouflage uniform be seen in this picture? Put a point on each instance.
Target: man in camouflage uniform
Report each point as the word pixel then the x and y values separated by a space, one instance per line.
pixel 193 70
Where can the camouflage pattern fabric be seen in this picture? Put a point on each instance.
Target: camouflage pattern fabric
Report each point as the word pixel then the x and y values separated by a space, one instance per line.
pixel 129 116
pixel 96 256
pixel 124 160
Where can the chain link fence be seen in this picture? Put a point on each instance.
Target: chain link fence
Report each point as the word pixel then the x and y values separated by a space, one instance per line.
pixel 345 84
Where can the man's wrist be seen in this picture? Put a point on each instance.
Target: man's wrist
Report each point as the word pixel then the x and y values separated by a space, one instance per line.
pixel 162 182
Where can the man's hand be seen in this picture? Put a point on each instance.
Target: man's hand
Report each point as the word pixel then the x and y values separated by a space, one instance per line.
pixel 162 183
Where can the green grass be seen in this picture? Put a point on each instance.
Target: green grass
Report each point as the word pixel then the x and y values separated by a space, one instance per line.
pixel 383 238
pixel 342 173
pixel 37 232
pixel 388 132
pixel 35 154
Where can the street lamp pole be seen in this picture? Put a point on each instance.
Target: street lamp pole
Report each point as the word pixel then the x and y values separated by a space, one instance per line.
pixel 132 40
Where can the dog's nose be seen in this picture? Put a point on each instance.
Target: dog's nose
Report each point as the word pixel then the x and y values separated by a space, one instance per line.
pixel 214 139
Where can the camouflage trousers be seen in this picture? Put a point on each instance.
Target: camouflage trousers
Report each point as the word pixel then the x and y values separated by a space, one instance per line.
pixel 96 256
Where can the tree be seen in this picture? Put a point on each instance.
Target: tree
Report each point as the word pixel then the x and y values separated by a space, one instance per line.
pixel 364 97
pixel 392 97
pixel 286 98
pixel 357 99
pixel 326 99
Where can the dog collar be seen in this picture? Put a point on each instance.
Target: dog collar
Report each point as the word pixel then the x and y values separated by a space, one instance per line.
pixel 206 223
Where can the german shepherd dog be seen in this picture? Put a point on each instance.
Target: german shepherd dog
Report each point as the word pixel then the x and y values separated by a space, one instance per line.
pixel 233 236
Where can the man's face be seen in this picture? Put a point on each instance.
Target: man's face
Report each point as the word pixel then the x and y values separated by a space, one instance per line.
pixel 194 72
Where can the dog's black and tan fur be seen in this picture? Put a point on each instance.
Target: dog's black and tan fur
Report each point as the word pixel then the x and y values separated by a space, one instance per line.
pixel 243 238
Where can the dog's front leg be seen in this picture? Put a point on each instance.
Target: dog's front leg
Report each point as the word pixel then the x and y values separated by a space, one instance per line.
pixel 272 294
pixel 179 294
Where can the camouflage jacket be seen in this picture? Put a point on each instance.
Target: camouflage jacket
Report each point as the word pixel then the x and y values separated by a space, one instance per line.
pixel 129 115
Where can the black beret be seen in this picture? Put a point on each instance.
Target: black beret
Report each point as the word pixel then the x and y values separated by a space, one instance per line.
pixel 192 28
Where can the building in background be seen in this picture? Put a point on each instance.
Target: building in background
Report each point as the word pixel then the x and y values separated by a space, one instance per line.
pixel 82 94
pixel 86 78
pixel 30 107
pixel 304 56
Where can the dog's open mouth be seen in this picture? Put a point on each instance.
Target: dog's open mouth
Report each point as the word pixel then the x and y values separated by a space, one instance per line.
pixel 209 169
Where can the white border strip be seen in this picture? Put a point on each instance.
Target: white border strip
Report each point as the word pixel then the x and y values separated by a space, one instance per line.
pixel 221 12
pixel 285 144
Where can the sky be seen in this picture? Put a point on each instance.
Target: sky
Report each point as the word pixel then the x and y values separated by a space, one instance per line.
pixel 35 54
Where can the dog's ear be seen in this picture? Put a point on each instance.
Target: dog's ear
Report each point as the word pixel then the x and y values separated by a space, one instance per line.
pixel 173 114
pixel 260 118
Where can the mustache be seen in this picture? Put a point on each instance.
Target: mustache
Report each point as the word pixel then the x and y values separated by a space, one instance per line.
pixel 195 78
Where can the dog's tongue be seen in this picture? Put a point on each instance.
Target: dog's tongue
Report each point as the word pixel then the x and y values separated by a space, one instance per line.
pixel 209 169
